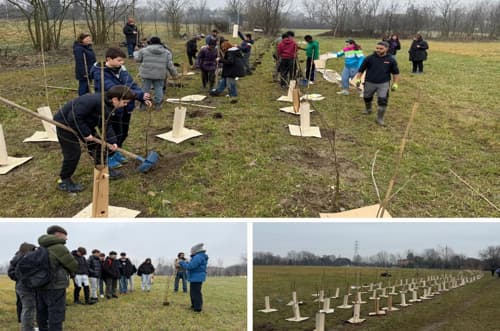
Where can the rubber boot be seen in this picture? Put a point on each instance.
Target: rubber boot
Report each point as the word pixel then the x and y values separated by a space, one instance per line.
pixel 86 294
pixel 380 115
pixel 368 108
pixel 76 295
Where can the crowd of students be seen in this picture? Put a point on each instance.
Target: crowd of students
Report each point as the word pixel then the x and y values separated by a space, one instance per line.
pixel 98 276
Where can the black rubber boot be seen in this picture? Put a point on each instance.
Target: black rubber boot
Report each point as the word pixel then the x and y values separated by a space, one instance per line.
pixel 380 115
pixel 76 295
pixel 86 294
pixel 368 108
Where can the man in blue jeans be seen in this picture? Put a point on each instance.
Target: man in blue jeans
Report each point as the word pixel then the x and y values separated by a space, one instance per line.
pixel 126 271
pixel 180 273
pixel 132 36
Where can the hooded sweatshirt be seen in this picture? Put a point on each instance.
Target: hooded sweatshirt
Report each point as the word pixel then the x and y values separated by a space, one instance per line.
pixel 155 61
pixel 62 262
pixel 287 48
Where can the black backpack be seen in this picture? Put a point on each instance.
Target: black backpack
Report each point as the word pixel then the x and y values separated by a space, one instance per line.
pixel 33 270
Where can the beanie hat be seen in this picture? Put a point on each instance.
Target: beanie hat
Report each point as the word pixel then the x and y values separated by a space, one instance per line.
pixel 197 248
pixel 56 228
pixel 112 253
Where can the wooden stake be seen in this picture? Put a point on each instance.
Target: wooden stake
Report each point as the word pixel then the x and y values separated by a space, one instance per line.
pixel 4 157
pixel 100 194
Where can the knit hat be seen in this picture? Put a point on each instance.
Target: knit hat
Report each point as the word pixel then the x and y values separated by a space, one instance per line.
pixel 197 248
pixel 56 228
pixel 112 253
pixel 123 254
pixel 155 41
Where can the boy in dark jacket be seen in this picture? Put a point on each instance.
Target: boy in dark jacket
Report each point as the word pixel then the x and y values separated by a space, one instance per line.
pixel 26 296
pixel 95 270
pixel 232 68
pixel 207 62
pixel 126 271
pixel 51 300
pixel 197 274
pixel 84 59
pixel 81 278
pixel 111 274
pixel 192 49
pixel 115 73
pixel 83 114
pixel 246 49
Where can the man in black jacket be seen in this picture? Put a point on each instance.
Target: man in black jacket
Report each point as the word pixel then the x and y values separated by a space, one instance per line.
pixel 95 271
pixel 132 36
pixel 111 274
pixel 83 114
pixel 192 49
pixel 379 66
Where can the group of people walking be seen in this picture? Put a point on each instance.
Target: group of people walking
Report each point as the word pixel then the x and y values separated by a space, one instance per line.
pixel 98 276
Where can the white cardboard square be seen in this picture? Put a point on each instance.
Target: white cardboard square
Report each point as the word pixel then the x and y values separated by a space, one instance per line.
pixel 13 162
pixel 113 212
pixel 312 131
pixel 291 111
pixel 40 136
pixel 285 98
pixel 193 97
pixel 186 134
pixel 313 97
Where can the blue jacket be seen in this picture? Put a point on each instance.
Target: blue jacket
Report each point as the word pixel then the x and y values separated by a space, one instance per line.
pixel 112 77
pixel 80 52
pixel 196 268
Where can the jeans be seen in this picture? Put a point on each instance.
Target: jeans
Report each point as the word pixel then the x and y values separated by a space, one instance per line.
pixel 94 283
pixel 101 286
pixel 146 282
pixel 196 296
pixel 310 69
pixel 123 284
pixel 51 309
pixel 111 284
pixel 158 85
pixel 28 301
pixel 130 48
pixel 228 82
pixel 246 62
pixel 180 275
pixel 347 74
pixel 83 87
pixel 131 283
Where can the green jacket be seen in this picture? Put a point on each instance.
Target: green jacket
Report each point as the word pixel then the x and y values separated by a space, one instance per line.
pixel 312 49
pixel 61 261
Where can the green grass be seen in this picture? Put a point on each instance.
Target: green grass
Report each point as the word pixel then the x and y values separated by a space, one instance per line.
pixel 466 308
pixel 224 308
pixel 246 164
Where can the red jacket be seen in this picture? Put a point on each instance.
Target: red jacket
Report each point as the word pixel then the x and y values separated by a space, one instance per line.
pixel 287 49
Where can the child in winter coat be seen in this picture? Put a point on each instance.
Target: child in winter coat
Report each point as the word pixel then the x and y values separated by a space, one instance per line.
pixel 84 59
pixel 207 62
pixel 353 59
pixel 232 68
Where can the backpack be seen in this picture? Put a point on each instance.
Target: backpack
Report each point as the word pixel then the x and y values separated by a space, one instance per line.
pixel 33 270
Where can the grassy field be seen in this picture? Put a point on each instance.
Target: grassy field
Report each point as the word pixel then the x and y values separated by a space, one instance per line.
pixel 224 308
pixel 246 164
pixel 470 307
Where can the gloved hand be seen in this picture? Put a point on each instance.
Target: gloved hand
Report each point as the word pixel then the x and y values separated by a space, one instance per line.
pixel 394 87
pixel 358 82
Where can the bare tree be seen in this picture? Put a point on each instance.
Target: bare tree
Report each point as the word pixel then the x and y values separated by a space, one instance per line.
pixel 174 11
pixel 267 14
pixel 445 9
pixel 101 15
pixel 334 13
pixel 234 9
pixel 44 20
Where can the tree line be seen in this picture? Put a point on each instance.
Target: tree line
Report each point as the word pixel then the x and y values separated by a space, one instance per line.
pixel 432 258
pixel 447 19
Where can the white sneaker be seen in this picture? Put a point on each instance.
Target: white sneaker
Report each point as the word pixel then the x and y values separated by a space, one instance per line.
pixel 343 92
pixel 311 83
pixel 101 296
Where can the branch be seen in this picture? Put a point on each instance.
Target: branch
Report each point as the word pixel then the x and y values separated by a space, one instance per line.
pixel 474 190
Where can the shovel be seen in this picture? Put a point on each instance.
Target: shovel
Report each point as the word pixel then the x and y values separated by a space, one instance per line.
pixel 146 163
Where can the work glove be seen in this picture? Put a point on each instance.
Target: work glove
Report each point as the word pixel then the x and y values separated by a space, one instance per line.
pixel 394 87
pixel 358 82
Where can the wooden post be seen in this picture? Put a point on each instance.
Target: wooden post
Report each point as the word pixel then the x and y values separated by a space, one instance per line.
pixel 179 118
pixel 100 194
pixel 4 157
pixel 296 100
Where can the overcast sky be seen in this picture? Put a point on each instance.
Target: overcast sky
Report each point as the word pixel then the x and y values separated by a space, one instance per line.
pixel 225 241
pixel 339 238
